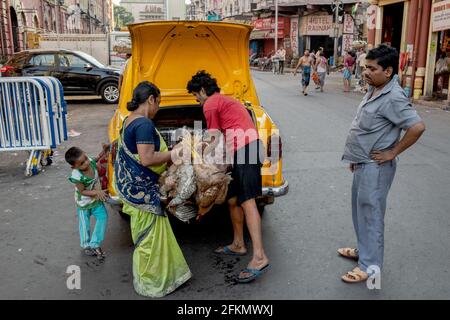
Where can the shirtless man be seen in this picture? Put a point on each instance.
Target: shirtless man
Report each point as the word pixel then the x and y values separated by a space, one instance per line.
pixel 305 64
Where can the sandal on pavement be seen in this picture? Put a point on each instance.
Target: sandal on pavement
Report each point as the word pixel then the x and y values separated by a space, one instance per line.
pixel 227 251
pixel 354 276
pixel 89 252
pixel 350 253
pixel 99 253
pixel 255 273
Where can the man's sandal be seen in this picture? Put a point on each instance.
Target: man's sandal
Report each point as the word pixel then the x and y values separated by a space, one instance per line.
pixel 350 253
pixel 354 276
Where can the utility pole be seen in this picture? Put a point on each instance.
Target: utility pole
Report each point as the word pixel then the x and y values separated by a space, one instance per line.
pixel 276 25
pixel 58 19
pixel 167 10
pixel 90 26
pixel 336 31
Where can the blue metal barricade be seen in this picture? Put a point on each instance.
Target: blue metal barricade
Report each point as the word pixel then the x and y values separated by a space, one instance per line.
pixel 32 117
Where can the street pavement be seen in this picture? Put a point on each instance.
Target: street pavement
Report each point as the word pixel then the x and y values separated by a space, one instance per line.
pixel 301 231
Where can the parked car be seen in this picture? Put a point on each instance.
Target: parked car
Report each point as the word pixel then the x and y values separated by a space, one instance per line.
pixel 79 73
pixel 168 54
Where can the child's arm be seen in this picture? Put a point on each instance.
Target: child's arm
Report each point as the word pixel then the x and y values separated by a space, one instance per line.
pixel 105 150
pixel 98 194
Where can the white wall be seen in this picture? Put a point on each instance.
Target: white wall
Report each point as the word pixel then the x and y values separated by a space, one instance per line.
pixel 96 45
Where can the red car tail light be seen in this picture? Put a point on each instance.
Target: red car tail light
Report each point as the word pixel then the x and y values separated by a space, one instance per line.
pixel 6 69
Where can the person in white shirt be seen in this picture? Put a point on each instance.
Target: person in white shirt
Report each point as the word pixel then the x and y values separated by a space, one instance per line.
pixel 322 68
pixel 282 57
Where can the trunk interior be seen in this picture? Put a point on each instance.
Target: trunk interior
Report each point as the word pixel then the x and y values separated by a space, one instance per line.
pixel 169 119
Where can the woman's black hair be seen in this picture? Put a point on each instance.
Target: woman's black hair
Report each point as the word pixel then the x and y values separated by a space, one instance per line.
pixel 385 56
pixel 200 80
pixel 141 93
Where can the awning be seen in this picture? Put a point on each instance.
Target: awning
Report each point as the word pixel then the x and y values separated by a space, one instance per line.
pixel 259 34
pixel 265 34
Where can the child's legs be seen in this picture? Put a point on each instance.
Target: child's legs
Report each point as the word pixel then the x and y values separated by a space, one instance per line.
pixel 101 221
pixel 84 225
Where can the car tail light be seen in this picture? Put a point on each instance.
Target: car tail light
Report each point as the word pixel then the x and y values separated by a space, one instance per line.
pixel 274 140
pixel 6 69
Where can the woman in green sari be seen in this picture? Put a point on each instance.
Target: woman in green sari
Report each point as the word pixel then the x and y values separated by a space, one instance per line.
pixel 159 266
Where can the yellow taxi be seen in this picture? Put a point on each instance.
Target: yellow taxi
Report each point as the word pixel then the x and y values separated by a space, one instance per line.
pixel 168 53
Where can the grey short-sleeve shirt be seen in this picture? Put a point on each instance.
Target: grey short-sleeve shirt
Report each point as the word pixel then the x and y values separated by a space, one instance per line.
pixel 379 122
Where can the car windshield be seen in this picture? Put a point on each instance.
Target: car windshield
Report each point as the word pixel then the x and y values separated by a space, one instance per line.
pixel 90 59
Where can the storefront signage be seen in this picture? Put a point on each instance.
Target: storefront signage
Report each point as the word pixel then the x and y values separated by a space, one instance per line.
pixel 440 16
pixel 294 35
pixel 348 24
pixel 268 24
pixel 347 43
pixel 317 25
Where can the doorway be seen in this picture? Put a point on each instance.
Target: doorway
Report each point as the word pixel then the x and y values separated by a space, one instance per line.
pixel 15 29
pixel 392 25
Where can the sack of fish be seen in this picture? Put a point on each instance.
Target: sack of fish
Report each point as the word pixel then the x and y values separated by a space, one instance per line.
pixel 191 188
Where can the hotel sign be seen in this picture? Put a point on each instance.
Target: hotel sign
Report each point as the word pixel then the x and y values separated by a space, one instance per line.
pixel 317 25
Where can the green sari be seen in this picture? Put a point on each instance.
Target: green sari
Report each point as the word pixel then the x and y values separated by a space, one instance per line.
pixel 159 266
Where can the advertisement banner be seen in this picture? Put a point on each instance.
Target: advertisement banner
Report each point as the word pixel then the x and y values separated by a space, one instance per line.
pixel 294 35
pixel 348 24
pixel 347 42
pixel 440 16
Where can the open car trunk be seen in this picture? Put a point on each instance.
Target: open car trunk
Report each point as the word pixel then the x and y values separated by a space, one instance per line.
pixel 169 119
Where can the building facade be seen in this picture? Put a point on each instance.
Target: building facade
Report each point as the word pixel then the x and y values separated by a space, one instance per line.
pixel 155 10
pixel 23 21
pixel 304 24
pixel 420 30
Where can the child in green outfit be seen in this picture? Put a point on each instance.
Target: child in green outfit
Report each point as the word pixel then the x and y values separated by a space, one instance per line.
pixel 89 198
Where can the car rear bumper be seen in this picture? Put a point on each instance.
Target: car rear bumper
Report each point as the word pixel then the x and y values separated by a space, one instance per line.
pixel 276 191
pixel 266 191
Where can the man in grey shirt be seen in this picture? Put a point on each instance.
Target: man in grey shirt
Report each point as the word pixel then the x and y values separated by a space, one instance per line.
pixel 372 145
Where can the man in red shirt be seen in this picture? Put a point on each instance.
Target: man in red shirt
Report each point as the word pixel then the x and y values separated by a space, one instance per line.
pixel 232 119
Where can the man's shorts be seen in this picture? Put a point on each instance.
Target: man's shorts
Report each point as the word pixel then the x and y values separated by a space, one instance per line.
pixel 246 173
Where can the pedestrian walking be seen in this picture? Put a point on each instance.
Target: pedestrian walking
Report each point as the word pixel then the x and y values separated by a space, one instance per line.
pixel 282 57
pixel 306 64
pixel 371 150
pixel 276 62
pixel 322 69
pixel 362 66
pixel 349 64
pixel 230 118
pixel 89 198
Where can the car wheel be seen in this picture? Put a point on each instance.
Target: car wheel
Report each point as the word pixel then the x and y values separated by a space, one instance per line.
pixel 110 92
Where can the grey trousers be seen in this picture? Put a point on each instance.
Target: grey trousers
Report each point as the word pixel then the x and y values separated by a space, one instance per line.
pixel 371 184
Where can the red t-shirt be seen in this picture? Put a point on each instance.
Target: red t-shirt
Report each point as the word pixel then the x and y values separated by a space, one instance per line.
pixel 230 117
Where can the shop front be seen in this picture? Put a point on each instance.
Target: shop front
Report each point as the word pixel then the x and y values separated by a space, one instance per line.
pixel 392 26
pixel 437 84
pixel 262 38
